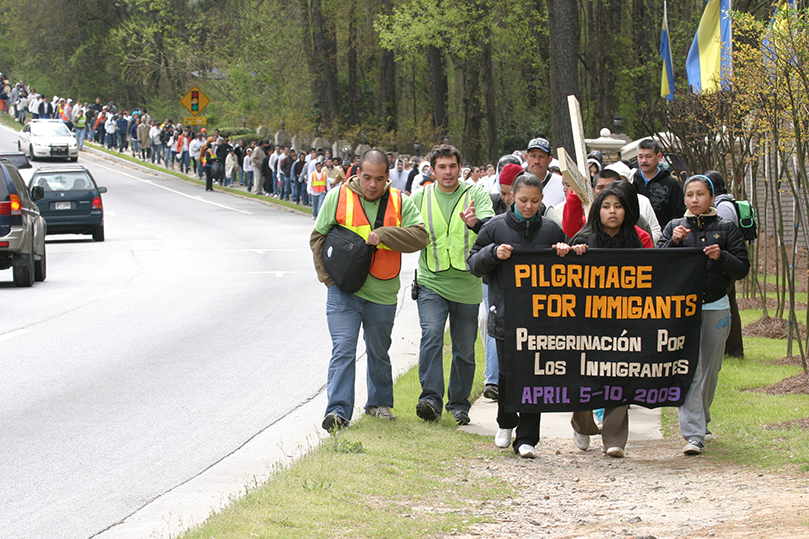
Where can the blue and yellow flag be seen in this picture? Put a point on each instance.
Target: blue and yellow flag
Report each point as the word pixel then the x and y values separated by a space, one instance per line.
pixel 777 26
pixel 708 62
pixel 667 79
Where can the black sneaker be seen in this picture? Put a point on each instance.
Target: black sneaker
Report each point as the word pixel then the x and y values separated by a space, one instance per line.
pixel 333 422
pixel 693 447
pixel 491 391
pixel 461 417
pixel 426 411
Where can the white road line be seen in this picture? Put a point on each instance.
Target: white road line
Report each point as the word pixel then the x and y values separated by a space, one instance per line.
pixel 192 197
pixel 112 294
pixel 276 273
pixel 15 333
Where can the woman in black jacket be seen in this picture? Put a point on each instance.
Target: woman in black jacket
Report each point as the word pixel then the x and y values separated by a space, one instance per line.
pixel 611 223
pixel 723 244
pixel 520 227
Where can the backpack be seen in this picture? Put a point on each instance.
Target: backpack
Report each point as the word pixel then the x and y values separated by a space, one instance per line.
pixel 747 220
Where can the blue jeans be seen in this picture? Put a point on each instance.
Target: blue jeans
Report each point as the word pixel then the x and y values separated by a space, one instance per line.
pixel 492 372
pixel 248 179
pixel 241 176
pixel 463 329
pixel 80 133
pixel 166 154
pixel 135 147
pixel 317 201
pixel 185 161
pixel 296 192
pixel 121 142
pixel 286 189
pixel 345 314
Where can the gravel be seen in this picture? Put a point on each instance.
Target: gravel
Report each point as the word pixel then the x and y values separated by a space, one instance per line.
pixel 655 492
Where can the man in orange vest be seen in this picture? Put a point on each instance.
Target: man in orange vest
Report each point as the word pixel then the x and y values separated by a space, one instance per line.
pixel 355 205
pixel 317 186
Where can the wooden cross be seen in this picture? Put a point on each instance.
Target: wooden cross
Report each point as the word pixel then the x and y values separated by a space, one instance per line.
pixel 577 173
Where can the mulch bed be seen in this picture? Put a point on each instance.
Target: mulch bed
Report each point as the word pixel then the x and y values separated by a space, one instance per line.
pixel 771 328
pixel 790 360
pixel 772 304
pixel 794 385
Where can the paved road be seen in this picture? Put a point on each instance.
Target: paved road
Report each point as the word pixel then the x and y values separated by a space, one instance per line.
pixel 143 360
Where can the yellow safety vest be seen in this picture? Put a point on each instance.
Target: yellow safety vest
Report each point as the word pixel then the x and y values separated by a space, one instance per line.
pixel 450 243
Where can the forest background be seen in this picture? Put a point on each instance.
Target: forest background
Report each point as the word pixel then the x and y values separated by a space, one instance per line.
pixel 489 75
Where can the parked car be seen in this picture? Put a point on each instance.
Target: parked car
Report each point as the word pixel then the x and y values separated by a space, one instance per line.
pixel 48 138
pixel 22 228
pixel 71 201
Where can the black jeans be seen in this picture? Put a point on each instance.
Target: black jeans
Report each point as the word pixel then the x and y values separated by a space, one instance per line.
pixel 527 423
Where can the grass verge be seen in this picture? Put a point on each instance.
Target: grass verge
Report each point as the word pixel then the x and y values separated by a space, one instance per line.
pixel 404 479
pixel 409 478
pixel 193 179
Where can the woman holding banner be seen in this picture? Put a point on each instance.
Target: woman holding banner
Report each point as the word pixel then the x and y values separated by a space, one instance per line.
pixel 723 244
pixel 520 227
pixel 610 224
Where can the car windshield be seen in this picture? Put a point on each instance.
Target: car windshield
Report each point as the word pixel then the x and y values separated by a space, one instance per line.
pixel 50 129
pixel 64 181
pixel 18 160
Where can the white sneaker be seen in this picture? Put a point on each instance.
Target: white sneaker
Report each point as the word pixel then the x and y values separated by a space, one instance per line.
pixel 527 451
pixel 693 447
pixel 503 438
pixel 582 440
pixel 615 452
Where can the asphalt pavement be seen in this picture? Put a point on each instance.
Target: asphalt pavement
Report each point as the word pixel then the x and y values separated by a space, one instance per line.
pixel 155 417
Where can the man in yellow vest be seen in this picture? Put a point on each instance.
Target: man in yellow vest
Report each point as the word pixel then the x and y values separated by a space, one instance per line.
pixel 453 211
pixel 355 205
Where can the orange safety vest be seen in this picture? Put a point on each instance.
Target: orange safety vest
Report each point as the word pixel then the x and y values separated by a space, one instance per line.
pixel 386 263
pixel 319 184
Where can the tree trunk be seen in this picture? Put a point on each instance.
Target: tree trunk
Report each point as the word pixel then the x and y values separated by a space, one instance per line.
pixel 438 74
pixel 353 116
pixel 386 94
pixel 563 23
pixel 472 112
pixel 323 38
pixel 487 74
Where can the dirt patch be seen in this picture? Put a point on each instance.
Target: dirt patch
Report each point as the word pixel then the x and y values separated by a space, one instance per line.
pixel 771 328
pixel 794 385
pixel 654 492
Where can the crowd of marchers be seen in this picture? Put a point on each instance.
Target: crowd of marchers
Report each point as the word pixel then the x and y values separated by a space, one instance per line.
pixel 464 220
pixel 464 225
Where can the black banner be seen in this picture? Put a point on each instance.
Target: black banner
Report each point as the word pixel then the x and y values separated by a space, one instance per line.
pixel 607 328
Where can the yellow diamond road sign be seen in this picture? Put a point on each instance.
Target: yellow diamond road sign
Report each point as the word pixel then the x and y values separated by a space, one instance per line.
pixel 195 101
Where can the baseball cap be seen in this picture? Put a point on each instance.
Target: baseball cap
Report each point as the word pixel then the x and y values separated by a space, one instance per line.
pixel 540 142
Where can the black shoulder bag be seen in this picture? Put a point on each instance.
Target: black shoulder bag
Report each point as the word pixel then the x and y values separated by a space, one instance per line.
pixel 345 255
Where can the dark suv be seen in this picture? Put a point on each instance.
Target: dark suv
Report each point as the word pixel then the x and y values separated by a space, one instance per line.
pixel 22 228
